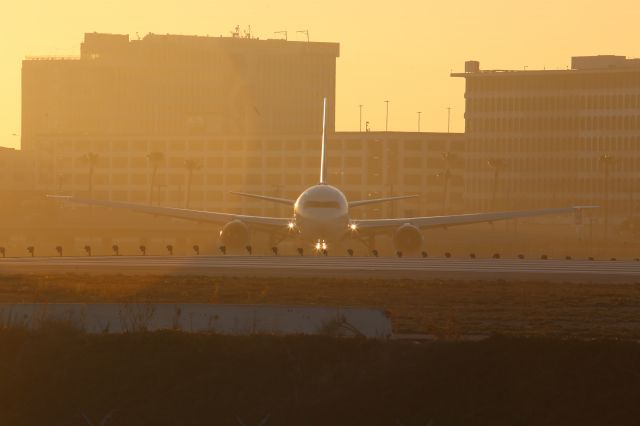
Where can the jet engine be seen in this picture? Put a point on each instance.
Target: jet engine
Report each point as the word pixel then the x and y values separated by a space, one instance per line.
pixel 407 239
pixel 235 235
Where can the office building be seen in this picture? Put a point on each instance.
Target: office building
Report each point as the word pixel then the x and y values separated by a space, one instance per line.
pixel 166 86
pixel 363 164
pixel 541 138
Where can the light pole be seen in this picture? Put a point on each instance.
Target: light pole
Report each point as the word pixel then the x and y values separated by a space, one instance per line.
pixel 282 32
pixel 386 126
pixel 419 112
pixel 448 119
pixel 607 161
pixel 305 32
pixel 360 106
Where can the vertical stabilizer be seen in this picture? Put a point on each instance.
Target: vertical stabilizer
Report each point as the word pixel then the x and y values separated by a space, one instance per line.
pixel 323 159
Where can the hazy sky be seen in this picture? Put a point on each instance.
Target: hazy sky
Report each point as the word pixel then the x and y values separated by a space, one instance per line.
pixel 402 50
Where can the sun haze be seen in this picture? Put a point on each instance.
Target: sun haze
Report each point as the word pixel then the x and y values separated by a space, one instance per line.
pixel 402 52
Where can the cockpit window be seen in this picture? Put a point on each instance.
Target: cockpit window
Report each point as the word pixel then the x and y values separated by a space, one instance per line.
pixel 321 204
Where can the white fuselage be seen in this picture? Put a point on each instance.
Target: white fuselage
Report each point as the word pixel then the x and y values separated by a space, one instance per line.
pixel 321 213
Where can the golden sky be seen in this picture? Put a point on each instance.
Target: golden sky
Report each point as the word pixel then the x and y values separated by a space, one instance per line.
pixel 402 51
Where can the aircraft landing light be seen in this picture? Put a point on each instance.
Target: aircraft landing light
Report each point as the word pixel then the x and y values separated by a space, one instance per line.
pixel 321 245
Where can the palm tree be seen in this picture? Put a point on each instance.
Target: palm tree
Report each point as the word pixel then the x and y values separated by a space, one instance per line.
pixel 448 157
pixel 445 175
pixel 607 161
pixel 61 180
pixel 191 165
pixel 155 158
pixel 92 159
pixel 497 164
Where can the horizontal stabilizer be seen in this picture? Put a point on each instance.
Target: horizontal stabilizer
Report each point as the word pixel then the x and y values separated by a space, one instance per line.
pixel 379 200
pixel 266 198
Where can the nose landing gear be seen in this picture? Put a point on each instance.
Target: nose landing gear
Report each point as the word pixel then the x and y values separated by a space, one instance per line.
pixel 321 247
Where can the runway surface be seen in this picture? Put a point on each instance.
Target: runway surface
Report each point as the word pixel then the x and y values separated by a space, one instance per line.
pixel 363 267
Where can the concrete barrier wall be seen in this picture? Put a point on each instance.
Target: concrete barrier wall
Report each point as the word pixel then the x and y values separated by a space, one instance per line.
pixel 223 319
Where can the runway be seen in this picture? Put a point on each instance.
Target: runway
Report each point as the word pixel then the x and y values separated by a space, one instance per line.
pixel 352 267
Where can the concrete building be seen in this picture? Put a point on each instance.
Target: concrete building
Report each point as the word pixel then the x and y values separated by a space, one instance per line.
pixel 384 164
pixel 554 137
pixel 164 86
pixel 363 164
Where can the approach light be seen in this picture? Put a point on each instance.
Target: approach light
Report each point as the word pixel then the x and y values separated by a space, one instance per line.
pixel 291 225
pixel 353 227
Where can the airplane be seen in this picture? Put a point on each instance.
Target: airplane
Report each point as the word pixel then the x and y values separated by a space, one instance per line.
pixel 320 217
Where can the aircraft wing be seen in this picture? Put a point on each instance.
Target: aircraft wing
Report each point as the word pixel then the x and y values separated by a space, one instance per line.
pixel 195 215
pixel 374 225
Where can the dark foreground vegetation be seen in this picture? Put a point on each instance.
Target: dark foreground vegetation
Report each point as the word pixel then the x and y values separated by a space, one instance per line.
pixel 63 377
pixel 442 309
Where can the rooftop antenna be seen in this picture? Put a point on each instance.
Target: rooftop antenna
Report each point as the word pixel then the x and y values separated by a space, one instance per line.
pixel 305 32
pixel 282 32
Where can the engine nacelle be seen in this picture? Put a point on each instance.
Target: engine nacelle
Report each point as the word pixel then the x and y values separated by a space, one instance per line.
pixel 407 239
pixel 235 235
